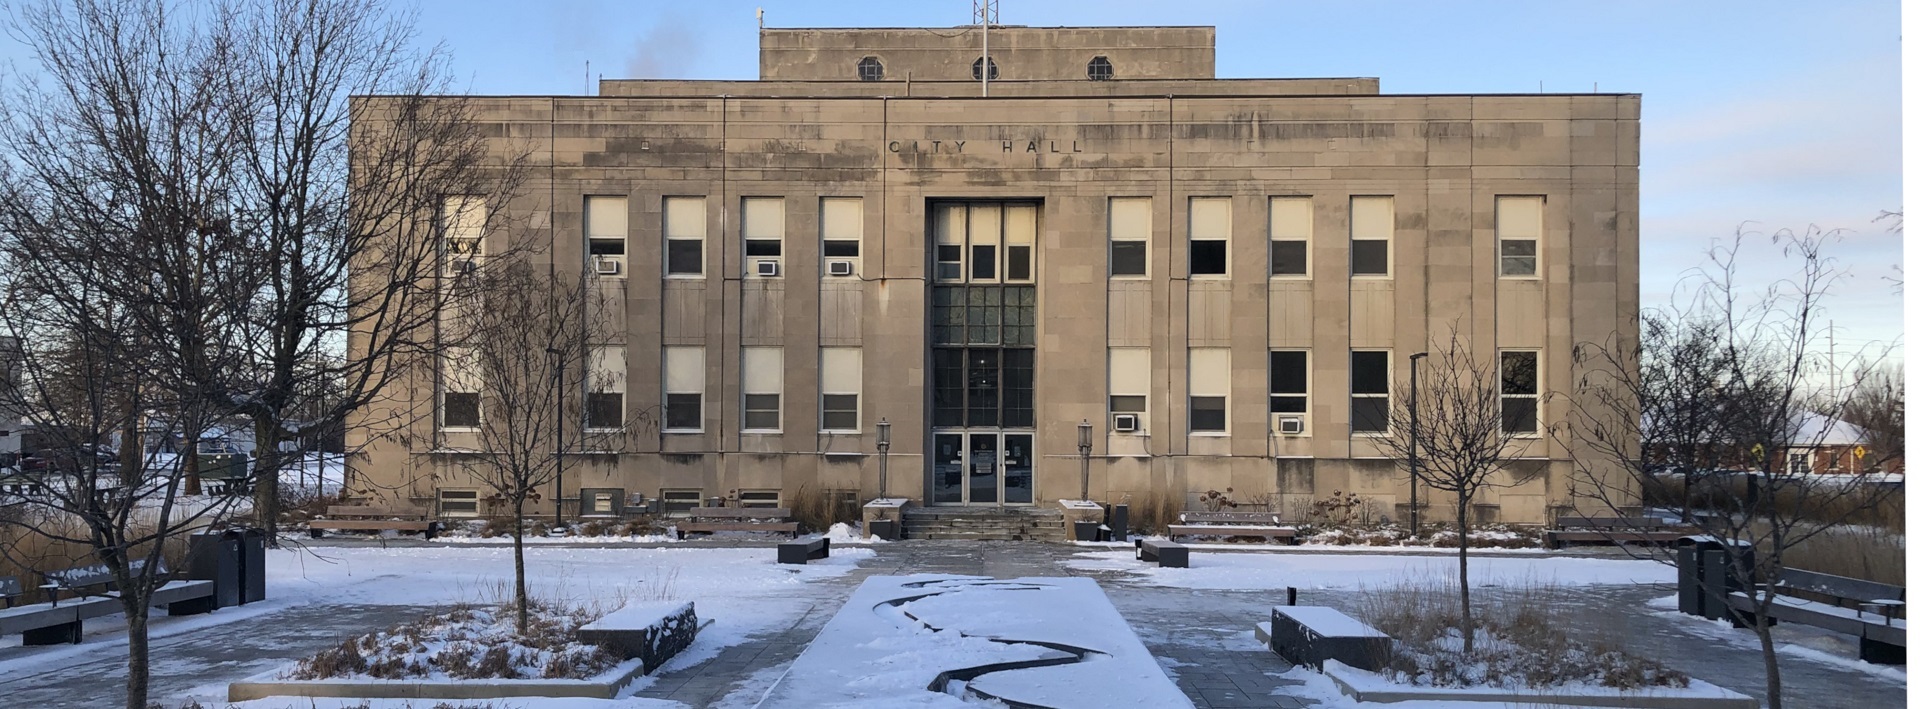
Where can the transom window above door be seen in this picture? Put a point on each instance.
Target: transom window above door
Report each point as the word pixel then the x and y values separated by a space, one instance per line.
pixel 984 242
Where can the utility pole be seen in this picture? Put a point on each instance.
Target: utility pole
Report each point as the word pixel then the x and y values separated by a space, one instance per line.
pixel 1413 451
pixel 988 12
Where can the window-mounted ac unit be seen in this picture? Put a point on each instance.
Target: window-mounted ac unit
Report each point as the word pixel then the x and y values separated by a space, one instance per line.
pixel 840 267
pixel 1126 423
pixel 1289 425
pixel 766 268
pixel 606 266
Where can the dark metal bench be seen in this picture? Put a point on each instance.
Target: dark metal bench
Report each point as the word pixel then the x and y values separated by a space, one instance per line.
pixel 1311 635
pixel 1874 612
pixel 56 622
pixel 1167 554
pixel 737 519
pixel 800 552
pixel 367 518
pixel 1232 524
pixel 1615 530
pixel 10 589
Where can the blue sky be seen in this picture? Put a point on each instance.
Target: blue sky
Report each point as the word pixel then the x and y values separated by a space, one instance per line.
pixel 1776 115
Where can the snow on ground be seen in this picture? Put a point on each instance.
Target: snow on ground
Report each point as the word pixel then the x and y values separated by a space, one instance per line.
pixel 515 703
pixel 1724 631
pixel 1255 572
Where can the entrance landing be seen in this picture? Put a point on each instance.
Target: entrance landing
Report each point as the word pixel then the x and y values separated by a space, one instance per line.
pixel 984 523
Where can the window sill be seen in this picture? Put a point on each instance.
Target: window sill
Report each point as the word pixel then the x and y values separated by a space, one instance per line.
pixel 1374 435
pixel 1129 277
pixel 683 431
pixel 840 432
pixel 1209 277
pixel 1290 277
pixel 604 430
pixel 760 432
pixel 460 429
pixel 1209 434
pixel 685 277
pixel 1534 277
pixel 1371 276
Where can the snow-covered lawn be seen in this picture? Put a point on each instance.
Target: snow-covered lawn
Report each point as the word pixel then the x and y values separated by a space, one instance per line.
pixel 1256 572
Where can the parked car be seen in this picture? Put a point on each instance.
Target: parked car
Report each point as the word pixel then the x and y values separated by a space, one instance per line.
pixel 68 460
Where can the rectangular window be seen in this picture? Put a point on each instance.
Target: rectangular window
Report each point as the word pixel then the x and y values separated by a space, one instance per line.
pixel 840 232
pixel 760 499
pixel 607 387
pixel 459 503
pixel 686 235
pixel 679 501
pixel 686 383
pixel 840 374
pixel 605 223
pixel 1370 374
pixel 1520 392
pixel 760 379
pixel 1209 221
pixel 950 242
pixel 1129 228
pixel 463 221
pixel 601 501
pixel 983 241
pixel 1128 379
pixel 1290 227
pixel 1372 235
pixel 763 226
pixel 1518 222
pixel 1287 382
pixel 949 387
pixel 459 390
pixel 1022 225
pixel 1208 378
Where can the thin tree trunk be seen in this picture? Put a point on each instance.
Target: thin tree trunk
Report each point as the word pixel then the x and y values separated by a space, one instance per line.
pixel 1466 604
pixel 137 662
pixel 520 562
pixel 266 479
pixel 190 465
pixel 1760 628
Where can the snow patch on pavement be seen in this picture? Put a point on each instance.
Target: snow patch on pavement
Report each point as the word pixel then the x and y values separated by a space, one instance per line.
pixel 1259 572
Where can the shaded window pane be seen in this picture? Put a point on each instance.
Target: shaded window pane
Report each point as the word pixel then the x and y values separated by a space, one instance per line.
pixel 1100 69
pixel 683 256
pixel 460 410
pixel 984 262
pixel 1289 258
pixel 842 248
pixel 1019 263
pixel 1207 258
pixel 1207 413
pixel 1018 377
pixel 872 70
pixel 983 387
pixel 1287 404
pixel 607 247
pixel 1287 372
pixel 947 266
pixel 606 409
pixel 1518 257
pixel 1369 414
pixel 1369 257
pixel 949 387
pixel 840 412
pixel 683 411
pixel 761 412
pixel 1369 372
pixel 1519 373
pixel 1129 258
pixel 1127 404
pixel 993 70
pixel 1519 414
pixel 763 247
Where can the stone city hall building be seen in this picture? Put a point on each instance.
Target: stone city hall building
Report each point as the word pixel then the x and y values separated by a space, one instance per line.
pixel 1223 277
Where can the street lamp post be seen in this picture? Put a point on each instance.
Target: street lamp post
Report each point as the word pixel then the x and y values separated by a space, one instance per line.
pixel 885 442
pixel 1086 450
pixel 559 420
pixel 1413 451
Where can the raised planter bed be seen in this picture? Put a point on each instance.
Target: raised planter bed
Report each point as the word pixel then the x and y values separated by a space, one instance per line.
pixel 605 685
pixel 1366 686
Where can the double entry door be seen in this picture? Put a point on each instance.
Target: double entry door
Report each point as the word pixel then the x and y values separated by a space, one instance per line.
pixel 982 468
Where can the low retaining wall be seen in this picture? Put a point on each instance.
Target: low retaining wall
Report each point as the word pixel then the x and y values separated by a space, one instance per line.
pixel 650 632
pixel 605 686
pixel 1366 686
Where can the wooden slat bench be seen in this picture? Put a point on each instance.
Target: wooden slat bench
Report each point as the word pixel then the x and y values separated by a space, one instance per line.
pixel 737 519
pixel 1615 530
pixel 1871 611
pixel 1167 555
pixel 1232 524
pixel 368 518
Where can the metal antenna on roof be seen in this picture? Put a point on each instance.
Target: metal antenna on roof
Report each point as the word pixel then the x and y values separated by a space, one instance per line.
pixel 760 13
pixel 988 13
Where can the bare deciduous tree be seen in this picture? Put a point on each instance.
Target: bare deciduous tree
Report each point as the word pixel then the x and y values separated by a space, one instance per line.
pixel 1457 426
pixel 1879 407
pixel 1757 390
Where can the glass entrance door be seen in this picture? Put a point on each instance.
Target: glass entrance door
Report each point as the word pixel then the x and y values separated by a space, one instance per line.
pixel 982 468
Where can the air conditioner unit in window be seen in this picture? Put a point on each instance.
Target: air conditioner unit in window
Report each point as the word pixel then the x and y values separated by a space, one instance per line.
pixel 606 266
pixel 1126 423
pixel 840 267
pixel 766 268
pixel 1289 424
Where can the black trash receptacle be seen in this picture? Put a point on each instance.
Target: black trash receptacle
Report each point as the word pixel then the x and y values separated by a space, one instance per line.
pixel 1708 570
pixel 217 558
pixel 253 564
pixel 884 529
pixel 1117 522
pixel 1086 531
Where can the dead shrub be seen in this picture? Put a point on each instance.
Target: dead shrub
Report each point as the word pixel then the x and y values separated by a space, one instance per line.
pixel 1153 515
pixel 1856 551
pixel 818 509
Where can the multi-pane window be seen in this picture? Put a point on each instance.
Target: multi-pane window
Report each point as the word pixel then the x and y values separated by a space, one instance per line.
pixel 983 386
pixel 679 501
pixel 1128 380
pixel 459 390
pixel 982 332
pixel 606 228
pixel 1099 69
pixel 760 499
pixel 993 70
pixel 607 387
pixel 760 380
pixel 1208 378
pixel 1209 219
pixel 463 221
pixel 983 315
pixel 871 69
pixel 1372 235
pixel 459 503
pixel 1290 228
pixel 1518 222
pixel 686 235
pixel 1370 386
pixel 1129 227
pixel 1287 382
pixel 763 226
pixel 601 501
pixel 985 242
pixel 840 230
pixel 1520 392
pixel 685 386
pixel 840 385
